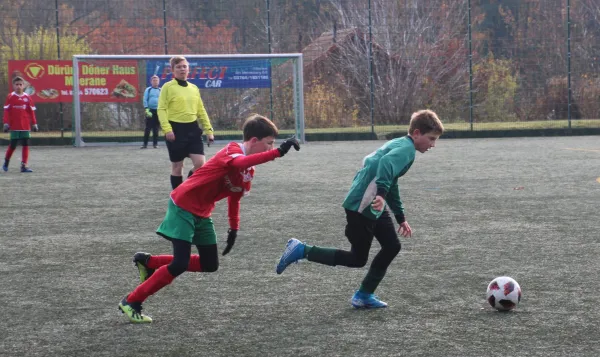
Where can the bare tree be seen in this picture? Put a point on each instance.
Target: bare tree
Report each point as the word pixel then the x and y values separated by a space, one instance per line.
pixel 419 56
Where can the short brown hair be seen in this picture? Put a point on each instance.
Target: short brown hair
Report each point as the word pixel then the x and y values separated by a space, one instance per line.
pixel 175 60
pixel 427 122
pixel 17 79
pixel 258 126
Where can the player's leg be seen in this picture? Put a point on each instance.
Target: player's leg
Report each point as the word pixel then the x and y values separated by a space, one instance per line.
pixel 12 146
pixel 359 231
pixel 386 235
pixel 155 125
pixel 25 152
pixel 205 240
pixel 207 259
pixel 131 305
pixel 197 161
pixel 177 153
pixel 147 129
pixel 177 227
pixel 148 263
pixel 196 149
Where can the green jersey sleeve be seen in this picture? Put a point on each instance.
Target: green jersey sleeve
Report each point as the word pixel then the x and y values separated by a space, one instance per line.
pixel 393 199
pixel 391 166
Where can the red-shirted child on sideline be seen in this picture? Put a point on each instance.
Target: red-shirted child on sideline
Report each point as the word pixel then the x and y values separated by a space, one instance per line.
pixel 187 222
pixel 19 114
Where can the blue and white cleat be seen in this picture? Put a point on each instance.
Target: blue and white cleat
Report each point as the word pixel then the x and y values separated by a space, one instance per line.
pixel 26 169
pixel 5 167
pixel 362 300
pixel 294 251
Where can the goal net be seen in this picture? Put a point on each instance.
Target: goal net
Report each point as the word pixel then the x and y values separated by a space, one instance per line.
pixel 108 93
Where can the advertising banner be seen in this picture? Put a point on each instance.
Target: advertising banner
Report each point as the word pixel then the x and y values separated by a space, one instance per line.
pixel 49 81
pixel 218 73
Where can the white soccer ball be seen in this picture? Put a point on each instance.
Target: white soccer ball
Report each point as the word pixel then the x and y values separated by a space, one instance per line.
pixel 504 293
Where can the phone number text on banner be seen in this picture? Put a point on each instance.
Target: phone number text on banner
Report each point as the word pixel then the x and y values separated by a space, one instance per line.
pixel 100 81
pixel 217 73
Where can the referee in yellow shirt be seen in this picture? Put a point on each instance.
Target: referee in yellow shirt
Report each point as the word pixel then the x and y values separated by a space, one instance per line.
pixel 180 109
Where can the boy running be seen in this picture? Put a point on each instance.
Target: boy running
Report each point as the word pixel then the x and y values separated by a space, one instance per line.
pixel 375 186
pixel 19 114
pixel 228 174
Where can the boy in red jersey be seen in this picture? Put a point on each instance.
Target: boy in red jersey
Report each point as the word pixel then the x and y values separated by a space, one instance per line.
pixel 19 113
pixel 187 222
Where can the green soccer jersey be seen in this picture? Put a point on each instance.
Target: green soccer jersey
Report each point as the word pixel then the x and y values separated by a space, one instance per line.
pixel 379 174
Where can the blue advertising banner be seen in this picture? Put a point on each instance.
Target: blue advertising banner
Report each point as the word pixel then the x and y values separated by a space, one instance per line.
pixel 247 73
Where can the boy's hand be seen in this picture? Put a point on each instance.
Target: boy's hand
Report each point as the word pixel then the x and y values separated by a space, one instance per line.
pixel 148 113
pixel 170 136
pixel 5 128
pixel 405 230
pixel 287 144
pixel 36 128
pixel 231 236
pixel 378 203
pixel 211 139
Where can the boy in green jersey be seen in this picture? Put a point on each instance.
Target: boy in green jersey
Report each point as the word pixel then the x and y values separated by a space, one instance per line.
pixel 372 197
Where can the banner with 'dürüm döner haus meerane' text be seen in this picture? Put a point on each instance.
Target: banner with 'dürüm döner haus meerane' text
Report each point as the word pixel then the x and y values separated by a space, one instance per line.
pixel 48 81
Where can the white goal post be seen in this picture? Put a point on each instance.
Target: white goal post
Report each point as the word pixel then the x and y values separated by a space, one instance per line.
pixel 288 66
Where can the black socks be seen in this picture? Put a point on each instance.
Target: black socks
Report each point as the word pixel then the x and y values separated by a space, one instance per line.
pixel 176 181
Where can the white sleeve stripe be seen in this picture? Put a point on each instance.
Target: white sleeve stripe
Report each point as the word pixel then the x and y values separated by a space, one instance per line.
pixel 236 155
pixel 33 108
pixel 7 106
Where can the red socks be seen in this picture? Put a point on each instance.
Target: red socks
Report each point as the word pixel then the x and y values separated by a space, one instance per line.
pixel 161 276
pixel 25 154
pixel 157 281
pixel 156 261
pixel 9 152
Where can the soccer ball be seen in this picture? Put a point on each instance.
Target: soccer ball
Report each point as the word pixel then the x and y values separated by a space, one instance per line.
pixel 504 293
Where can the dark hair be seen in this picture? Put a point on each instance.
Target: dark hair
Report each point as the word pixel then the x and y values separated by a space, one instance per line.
pixel 257 126
pixel 17 78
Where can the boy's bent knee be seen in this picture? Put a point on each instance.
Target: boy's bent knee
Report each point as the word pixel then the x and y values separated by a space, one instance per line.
pixel 177 267
pixel 210 263
pixel 394 248
pixel 210 268
pixel 358 261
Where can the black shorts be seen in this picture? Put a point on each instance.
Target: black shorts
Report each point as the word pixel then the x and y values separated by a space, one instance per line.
pixel 188 140
pixel 360 230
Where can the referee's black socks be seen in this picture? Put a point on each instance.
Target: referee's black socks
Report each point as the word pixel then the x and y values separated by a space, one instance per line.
pixel 176 181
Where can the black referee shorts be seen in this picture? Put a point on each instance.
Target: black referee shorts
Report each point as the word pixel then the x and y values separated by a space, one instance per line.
pixel 188 140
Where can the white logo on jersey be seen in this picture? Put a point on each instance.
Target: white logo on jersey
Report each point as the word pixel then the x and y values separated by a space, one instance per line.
pixel 247 175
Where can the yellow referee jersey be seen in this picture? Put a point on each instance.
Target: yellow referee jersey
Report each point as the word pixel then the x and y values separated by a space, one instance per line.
pixel 181 105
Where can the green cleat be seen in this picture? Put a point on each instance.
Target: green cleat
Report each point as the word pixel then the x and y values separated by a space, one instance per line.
pixel 133 310
pixel 140 259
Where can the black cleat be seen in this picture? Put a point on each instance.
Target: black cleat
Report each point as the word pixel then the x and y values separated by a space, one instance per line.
pixel 140 259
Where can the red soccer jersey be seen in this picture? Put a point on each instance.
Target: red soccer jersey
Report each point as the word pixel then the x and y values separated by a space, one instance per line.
pixel 19 112
pixel 227 174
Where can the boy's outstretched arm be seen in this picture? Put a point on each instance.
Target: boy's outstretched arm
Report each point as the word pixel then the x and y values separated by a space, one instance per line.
pixel 244 162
